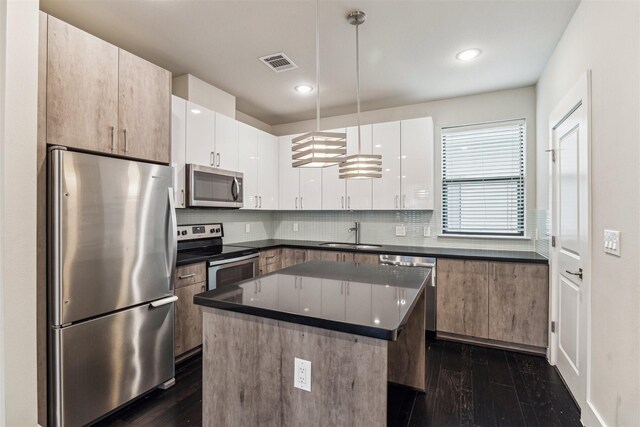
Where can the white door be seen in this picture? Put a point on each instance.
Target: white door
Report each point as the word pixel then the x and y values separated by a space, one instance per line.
pixel 359 191
pixel 333 188
pixel 570 265
pixel 178 148
pixel 416 153
pixel 226 142
pixel 386 190
pixel 200 135
pixel 248 163
pixel 267 171
pixel 289 177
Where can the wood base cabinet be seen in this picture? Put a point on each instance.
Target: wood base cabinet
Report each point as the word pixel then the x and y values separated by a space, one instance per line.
pixel 189 280
pixel 505 302
pixel 270 260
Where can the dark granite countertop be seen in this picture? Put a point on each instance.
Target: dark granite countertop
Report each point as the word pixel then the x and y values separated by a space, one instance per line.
pixel 478 254
pixel 368 300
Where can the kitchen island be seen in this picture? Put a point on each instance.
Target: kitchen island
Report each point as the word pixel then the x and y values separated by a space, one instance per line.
pixel 360 326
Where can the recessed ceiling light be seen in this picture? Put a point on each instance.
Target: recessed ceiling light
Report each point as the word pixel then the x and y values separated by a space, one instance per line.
pixel 304 88
pixel 468 54
pixel 196 111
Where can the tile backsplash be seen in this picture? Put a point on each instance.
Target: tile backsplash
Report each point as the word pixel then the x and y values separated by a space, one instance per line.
pixel 376 227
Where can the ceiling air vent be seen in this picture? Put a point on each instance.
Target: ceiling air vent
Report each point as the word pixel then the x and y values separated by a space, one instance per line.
pixel 278 62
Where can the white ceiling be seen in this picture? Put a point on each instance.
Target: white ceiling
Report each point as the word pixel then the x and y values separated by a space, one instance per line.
pixel 407 47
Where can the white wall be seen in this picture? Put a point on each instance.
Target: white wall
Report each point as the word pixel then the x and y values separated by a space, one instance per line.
pixel 18 209
pixel 605 37
pixel 202 93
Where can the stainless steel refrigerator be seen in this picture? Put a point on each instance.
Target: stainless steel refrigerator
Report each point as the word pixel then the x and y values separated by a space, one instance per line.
pixel 112 236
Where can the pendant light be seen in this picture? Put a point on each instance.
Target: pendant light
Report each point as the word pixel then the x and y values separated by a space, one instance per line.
pixel 360 166
pixel 318 149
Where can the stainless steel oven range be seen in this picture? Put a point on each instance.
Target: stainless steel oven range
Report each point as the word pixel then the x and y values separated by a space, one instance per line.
pixel 226 264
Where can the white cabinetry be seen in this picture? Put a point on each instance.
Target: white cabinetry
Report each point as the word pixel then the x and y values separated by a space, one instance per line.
pixel 201 124
pixel 359 191
pixel 178 148
pixel 267 171
pixel 334 189
pixel 258 161
pixel 417 168
pixel 226 143
pixel 299 188
pixel 386 190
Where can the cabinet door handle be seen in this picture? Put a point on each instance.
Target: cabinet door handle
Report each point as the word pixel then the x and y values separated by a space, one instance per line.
pixel 113 138
pixel 404 201
pixel 342 201
pixel 347 288
pixel 211 156
pixel 341 288
pixel 182 191
pixel 579 273
pixel 256 202
pixel 396 202
pixel 296 203
pixel 301 206
pixel 348 202
pixel 202 288
pixel 260 204
pixel 126 143
pixel 337 257
pixel 218 159
pixel 186 276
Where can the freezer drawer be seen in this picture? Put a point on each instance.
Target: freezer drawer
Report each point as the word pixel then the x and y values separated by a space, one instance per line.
pixel 100 364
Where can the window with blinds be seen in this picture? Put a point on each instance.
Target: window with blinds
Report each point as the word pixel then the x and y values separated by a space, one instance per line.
pixel 483 179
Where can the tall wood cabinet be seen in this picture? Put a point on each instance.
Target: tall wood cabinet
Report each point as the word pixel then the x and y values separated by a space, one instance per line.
pixel 101 98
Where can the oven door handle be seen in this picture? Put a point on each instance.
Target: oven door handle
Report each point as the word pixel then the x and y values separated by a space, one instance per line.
pixel 232 261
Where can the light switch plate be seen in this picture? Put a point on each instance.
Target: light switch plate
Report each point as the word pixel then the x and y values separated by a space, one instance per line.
pixel 295 226
pixel 401 230
pixel 612 242
pixel 247 228
pixel 302 374
pixel 427 231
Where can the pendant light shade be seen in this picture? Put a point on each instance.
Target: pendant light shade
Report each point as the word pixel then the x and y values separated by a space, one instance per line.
pixel 318 149
pixel 360 166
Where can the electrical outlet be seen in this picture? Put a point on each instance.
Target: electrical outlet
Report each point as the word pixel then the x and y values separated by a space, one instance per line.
pixel 302 374
pixel 427 231
pixel 612 242
pixel 401 230
pixel 247 228
pixel 295 226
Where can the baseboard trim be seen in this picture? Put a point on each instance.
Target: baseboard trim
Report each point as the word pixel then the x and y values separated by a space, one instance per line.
pixel 522 348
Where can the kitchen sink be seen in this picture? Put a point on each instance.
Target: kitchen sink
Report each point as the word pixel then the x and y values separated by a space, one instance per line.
pixel 350 245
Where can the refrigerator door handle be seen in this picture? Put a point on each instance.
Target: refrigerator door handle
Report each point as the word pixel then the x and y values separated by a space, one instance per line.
pixel 172 238
pixel 163 301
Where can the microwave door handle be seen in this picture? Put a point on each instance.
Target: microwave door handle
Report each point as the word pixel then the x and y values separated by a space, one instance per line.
pixel 234 189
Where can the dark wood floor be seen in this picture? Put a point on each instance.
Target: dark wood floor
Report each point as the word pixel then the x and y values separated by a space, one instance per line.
pixel 468 386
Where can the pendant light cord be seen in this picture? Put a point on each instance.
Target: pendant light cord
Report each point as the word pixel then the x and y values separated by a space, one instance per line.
pixel 358 86
pixel 317 65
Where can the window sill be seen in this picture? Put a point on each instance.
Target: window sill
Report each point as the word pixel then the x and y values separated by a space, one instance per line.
pixel 478 236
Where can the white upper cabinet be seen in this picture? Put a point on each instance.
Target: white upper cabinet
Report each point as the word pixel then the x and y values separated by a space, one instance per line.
pixel 386 190
pixel 178 148
pixel 289 177
pixel 359 191
pixel 201 134
pixel 226 142
pixel 417 163
pixel 334 189
pixel 248 163
pixel 267 171
pixel 310 189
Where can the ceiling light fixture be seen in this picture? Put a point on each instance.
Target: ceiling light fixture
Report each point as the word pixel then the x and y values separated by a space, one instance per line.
pixel 360 166
pixel 468 54
pixel 318 149
pixel 304 88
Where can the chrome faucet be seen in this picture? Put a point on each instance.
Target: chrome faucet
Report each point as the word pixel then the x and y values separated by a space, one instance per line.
pixel 357 230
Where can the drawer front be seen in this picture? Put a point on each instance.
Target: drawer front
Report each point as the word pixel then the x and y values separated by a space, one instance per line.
pixel 270 256
pixel 189 274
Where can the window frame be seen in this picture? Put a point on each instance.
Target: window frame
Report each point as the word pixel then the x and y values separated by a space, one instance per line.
pixel 485 234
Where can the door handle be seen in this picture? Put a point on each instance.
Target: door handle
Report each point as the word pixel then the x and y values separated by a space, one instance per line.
pixel 296 203
pixel 396 202
pixel 163 301
pixel 579 273
pixel 256 203
pixel 301 207
pixel 404 201
pixel 113 138
pixel 182 191
pixel 260 203
pixel 211 156
pixel 218 159
pixel 186 276
pixel 348 202
pixel 235 189
pixel 342 201
pixel 126 144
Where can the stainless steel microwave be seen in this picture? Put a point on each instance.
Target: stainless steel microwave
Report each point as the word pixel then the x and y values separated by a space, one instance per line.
pixel 214 188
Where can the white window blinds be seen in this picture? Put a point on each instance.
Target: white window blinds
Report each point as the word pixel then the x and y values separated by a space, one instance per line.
pixel 483 179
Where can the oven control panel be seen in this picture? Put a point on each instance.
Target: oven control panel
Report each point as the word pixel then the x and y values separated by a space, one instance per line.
pixel 200 231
